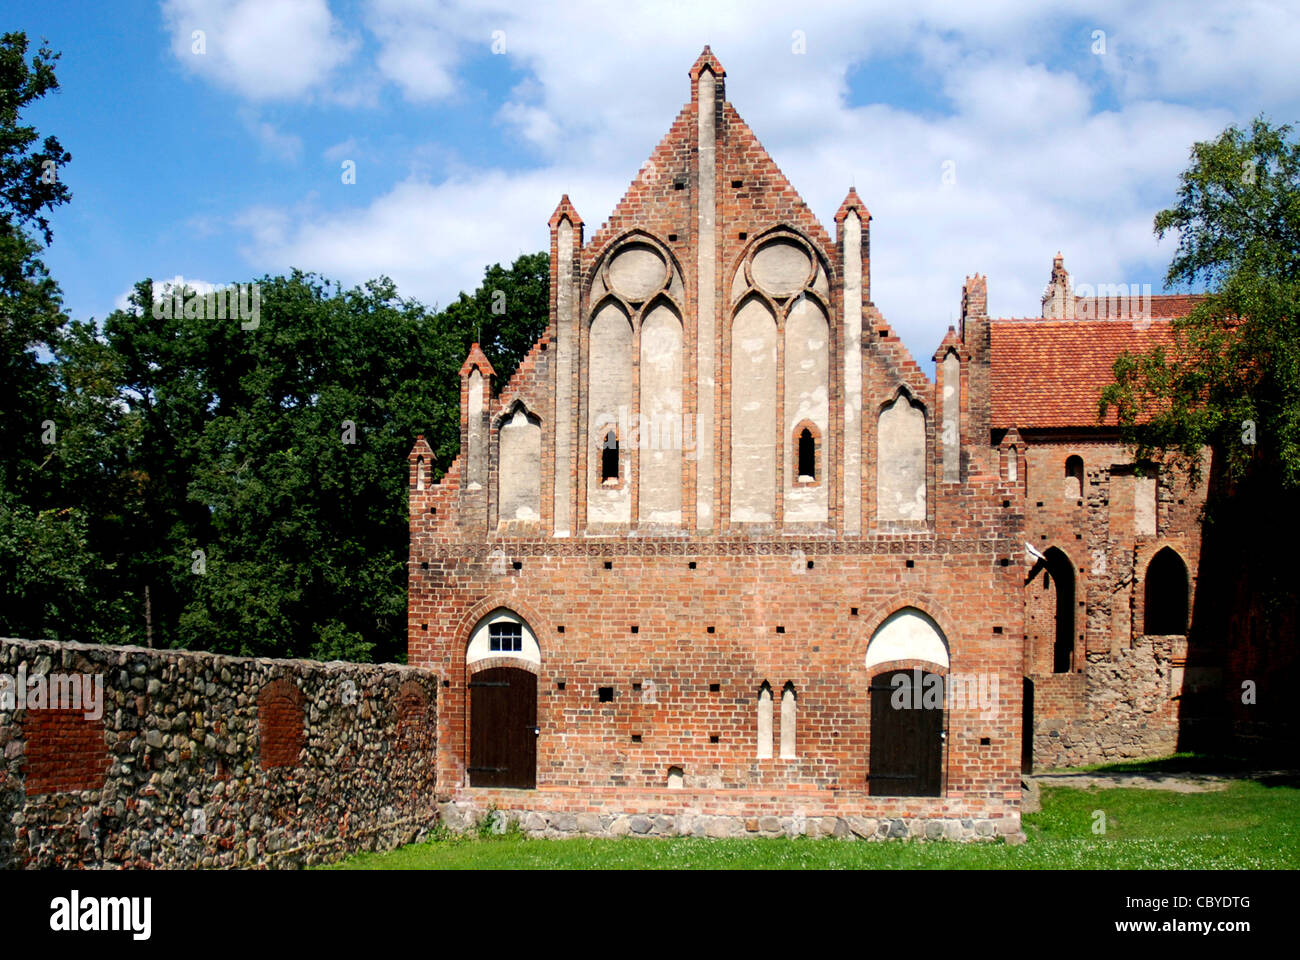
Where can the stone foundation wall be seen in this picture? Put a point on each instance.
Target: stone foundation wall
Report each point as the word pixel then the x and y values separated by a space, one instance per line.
pixel 1127 710
pixel 197 760
pixel 711 816
pixel 539 823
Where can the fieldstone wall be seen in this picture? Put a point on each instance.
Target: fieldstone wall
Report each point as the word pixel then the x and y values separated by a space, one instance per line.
pixel 198 760
pixel 1131 707
pixel 464 816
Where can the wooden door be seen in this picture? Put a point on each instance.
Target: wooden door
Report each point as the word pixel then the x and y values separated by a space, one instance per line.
pixel 503 728
pixel 907 738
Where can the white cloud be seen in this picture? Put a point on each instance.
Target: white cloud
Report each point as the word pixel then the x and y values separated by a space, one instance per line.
pixel 260 49
pixel 433 240
pixel 419 45
pixel 344 150
pixel 1040 164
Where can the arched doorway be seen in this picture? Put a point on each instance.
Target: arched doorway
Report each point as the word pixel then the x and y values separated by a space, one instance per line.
pixel 1060 577
pixel 1027 727
pixel 1166 595
pixel 908 735
pixel 503 728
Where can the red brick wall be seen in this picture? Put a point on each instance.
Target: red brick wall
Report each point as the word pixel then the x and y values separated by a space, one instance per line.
pixel 279 724
pixel 781 609
pixel 66 752
pixel 583 616
pixel 1090 716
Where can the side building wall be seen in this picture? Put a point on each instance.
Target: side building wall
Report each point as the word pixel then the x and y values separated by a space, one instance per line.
pixel 1105 681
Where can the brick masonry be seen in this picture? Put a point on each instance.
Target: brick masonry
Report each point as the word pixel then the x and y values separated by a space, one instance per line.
pixel 684 623
pixel 198 760
pixel 709 610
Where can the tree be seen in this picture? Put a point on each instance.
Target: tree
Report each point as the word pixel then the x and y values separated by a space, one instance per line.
pixel 30 304
pixel 254 480
pixel 44 562
pixel 1230 380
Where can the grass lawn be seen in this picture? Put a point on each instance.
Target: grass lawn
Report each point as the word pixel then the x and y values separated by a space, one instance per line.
pixel 1247 826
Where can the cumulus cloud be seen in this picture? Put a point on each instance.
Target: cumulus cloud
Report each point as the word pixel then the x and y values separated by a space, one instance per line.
pixel 1052 146
pixel 433 239
pixel 259 49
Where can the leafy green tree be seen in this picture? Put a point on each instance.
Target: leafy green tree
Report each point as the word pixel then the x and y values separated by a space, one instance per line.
pixel 1231 378
pixel 31 186
pixel 45 567
pixel 184 479
pixel 252 479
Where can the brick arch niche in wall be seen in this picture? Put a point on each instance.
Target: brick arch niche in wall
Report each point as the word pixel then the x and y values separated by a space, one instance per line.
pixel 416 723
pixel 901 479
pixel 65 751
pixel 780 355
pixel 635 386
pixel 520 473
pixel 280 723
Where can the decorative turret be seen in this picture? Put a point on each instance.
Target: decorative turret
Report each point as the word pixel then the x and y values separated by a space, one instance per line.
pixel 1058 298
pixel 475 395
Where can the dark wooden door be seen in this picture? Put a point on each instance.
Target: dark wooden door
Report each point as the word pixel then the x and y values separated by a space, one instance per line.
pixel 503 728
pixel 907 738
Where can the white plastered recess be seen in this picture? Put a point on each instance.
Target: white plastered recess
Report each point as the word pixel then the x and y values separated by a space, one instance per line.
pixel 908 634
pixel 479 640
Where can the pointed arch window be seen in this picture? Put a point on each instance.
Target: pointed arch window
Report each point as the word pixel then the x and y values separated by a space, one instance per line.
pixel 807 456
pixel 609 475
pixel 764 751
pixel 789 714
pixel 1166 595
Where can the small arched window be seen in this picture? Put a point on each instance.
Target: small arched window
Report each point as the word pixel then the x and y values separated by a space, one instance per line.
pixel 1074 478
pixel 1013 464
pixel 764 751
pixel 609 458
pixel 789 711
pixel 807 456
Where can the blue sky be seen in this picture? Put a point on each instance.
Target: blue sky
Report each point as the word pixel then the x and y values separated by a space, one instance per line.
pixel 225 165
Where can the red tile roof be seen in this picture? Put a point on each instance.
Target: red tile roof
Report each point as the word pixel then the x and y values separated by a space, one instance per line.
pixel 1050 373
pixel 1159 306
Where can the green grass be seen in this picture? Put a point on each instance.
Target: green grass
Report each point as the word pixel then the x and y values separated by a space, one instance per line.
pixel 1246 826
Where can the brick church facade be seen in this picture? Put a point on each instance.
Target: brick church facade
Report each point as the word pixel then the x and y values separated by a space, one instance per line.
pixel 721 557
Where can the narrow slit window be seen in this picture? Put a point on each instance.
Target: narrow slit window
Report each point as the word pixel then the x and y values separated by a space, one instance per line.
pixel 609 458
pixel 764 751
pixel 807 456
pixel 789 711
